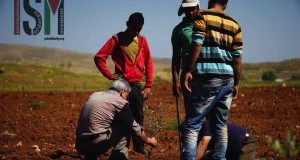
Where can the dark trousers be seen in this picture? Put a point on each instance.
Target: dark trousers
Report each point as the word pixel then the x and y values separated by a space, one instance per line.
pixel 247 150
pixel 249 147
pixel 116 137
pixel 136 104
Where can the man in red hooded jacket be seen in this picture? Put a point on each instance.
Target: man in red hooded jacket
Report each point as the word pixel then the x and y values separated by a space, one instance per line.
pixel 131 55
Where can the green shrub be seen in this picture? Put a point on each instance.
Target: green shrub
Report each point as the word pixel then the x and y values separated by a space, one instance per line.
pixel 154 122
pixel 268 76
pixel 288 150
pixel 1 70
pixel 172 124
pixel 295 77
pixel 36 104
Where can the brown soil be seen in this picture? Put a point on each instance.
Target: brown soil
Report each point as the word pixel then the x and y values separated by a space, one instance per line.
pixel 270 111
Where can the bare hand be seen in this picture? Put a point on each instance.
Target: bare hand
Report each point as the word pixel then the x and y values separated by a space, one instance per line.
pixel 187 81
pixel 146 92
pixel 235 92
pixel 114 77
pixel 176 89
pixel 152 141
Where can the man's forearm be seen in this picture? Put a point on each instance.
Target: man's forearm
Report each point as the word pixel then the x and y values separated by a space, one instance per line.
pixel 194 54
pixel 176 63
pixel 144 137
pixel 175 72
pixel 149 71
pixel 237 69
pixel 202 146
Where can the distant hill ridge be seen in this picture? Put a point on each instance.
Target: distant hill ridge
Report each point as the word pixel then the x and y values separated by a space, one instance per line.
pixel 10 52
pixel 79 62
pixel 74 61
pixel 70 60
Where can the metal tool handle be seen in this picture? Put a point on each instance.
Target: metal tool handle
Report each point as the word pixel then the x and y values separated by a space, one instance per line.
pixel 178 122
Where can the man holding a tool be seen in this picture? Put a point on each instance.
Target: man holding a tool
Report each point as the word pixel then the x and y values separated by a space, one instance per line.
pixel 181 40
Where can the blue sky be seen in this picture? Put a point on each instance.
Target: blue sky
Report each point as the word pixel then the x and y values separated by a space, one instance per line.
pixel 270 27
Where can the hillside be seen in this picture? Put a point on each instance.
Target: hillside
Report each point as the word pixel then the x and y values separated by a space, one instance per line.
pixel 83 63
pixel 40 68
pixel 68 60
pixel 25 77
pixel 73 61
pixel 284 70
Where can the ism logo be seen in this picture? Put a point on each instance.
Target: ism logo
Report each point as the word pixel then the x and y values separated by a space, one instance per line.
pixel 56 6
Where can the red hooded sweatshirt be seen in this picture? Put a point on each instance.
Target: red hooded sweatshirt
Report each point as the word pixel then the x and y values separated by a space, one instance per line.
pixel 131 71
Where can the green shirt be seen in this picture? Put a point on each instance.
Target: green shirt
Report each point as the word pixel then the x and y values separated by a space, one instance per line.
pixel 182 36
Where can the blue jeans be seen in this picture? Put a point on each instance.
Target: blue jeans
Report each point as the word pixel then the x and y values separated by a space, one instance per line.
pixel 210 96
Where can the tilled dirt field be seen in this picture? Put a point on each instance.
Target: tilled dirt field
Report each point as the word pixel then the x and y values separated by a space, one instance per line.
pixel 48 120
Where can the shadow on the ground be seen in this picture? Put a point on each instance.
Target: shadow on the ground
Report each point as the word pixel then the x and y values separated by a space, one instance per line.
pixel 58 154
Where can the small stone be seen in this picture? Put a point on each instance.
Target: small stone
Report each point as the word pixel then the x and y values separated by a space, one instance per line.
pixel 6 133
pixel 233 105
pixel 19 144
pixel 37 150
pixel 35 146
